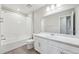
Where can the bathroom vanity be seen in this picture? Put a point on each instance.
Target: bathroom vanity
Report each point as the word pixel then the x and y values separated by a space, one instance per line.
pixel 48 43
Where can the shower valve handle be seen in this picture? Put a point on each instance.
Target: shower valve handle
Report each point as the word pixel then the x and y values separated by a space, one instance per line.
pixel 3 37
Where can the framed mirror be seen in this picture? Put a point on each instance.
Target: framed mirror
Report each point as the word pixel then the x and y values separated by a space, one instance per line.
pixel 67 24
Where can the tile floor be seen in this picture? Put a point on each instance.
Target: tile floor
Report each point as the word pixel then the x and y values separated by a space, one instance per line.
pixel 22 50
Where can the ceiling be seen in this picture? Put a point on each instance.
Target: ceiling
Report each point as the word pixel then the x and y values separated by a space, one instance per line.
pixel 23 8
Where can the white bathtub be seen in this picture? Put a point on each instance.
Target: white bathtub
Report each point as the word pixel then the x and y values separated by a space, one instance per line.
pixel 10 45
pixel 13 39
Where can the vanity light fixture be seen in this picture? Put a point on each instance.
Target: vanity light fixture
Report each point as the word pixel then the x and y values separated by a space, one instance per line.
pixel 58 5
pixel 52 7
pixel 29 5
pixel 18 9
pixel 48 8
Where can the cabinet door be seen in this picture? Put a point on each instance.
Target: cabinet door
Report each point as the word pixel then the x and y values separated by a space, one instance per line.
pixel 53 50
pixel 43 45
pixel 65 52
pixel 37 44
pixel 46 48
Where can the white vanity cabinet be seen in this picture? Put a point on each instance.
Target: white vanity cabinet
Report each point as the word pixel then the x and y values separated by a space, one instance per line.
pixel 48 46
pixel 42 46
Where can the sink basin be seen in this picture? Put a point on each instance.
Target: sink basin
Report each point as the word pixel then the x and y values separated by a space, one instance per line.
pixel 52 34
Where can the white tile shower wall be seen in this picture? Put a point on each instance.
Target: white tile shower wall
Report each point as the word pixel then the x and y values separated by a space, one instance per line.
pixel 15 27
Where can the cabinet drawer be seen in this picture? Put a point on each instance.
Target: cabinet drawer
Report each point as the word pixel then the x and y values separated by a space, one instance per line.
pixel 53 50
pixel 65 46
pixel 65 52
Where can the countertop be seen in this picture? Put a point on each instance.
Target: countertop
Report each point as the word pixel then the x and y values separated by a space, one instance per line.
pixel 69 39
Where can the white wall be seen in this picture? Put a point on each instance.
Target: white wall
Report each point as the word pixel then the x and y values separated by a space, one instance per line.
pixel 77 20
pixel 38 16
pixel 0 26
pixel 51 24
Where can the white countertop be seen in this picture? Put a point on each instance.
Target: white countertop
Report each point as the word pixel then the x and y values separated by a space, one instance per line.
pixel 61 38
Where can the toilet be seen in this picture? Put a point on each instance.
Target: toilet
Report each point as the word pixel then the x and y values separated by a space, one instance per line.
pixel 30 44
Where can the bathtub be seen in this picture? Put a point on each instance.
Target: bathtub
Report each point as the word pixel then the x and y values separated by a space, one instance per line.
pixel 7 45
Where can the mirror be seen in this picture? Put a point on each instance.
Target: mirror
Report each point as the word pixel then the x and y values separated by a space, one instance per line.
pixel 67 24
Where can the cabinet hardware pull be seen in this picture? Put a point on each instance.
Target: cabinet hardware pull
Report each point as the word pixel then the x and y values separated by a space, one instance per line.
pixel 39 44
pixel 62 53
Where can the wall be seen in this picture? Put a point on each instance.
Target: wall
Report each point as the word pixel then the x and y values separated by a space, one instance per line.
pixel 38 16
pixel 0 25
pixel 77 21
pixel 51 24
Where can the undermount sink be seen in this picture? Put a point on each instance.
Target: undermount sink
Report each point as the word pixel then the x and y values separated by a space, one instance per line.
pixel 52 34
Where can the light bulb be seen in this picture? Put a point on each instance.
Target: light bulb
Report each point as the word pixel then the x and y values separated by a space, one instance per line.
pixel 18 9
pixel 48 9
pixel 58 5
pixel 52 6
